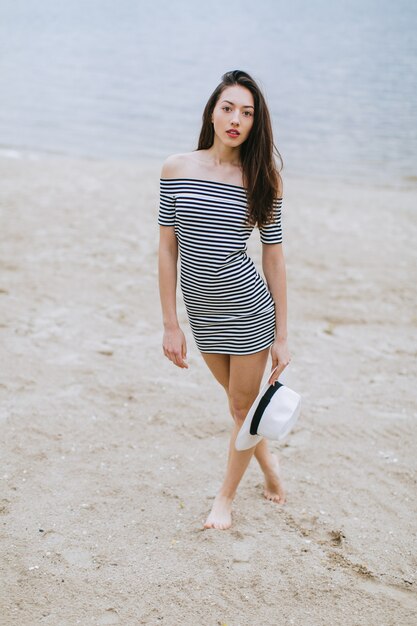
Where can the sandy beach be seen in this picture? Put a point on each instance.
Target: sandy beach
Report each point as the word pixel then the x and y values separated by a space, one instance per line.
pixel 111 456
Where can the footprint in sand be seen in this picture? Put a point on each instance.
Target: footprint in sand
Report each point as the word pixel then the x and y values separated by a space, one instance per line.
pixel 52 539
pixel 109 617
pixel 4 507
pixel 242 552
pixel 79 558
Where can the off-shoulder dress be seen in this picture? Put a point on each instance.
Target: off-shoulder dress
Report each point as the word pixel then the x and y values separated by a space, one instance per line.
pixel 229 306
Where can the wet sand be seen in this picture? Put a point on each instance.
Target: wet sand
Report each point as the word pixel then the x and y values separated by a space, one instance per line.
pixel 111 456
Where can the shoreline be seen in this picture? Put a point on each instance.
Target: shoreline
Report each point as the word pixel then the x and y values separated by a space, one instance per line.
pixel 406 182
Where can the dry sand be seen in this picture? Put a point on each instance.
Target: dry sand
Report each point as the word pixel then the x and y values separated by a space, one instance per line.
pixel 111 456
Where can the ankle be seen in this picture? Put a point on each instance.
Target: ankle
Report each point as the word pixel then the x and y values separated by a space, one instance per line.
pixel 223 494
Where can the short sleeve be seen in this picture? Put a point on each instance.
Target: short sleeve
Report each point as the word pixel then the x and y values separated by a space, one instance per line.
pixel 166 215
pixel 272 233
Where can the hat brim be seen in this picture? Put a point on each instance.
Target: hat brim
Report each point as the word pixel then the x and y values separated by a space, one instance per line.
pixel 245 439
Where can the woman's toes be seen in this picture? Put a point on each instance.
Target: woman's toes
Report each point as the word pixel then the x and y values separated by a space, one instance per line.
pixel 220 515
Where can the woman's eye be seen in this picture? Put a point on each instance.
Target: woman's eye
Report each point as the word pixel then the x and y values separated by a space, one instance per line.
pixel 247 113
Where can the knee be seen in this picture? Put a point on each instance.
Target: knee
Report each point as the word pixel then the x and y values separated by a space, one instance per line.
pixel 240 406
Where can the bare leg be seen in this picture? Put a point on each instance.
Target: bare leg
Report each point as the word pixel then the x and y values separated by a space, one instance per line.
pixel 219 364
pixel 270 466
pixel 245 375
pixel 269 463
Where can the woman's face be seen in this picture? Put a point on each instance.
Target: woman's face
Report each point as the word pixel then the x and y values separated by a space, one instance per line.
pixel 234 111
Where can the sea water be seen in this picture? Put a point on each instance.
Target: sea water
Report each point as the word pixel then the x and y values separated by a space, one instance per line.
pixel 128 79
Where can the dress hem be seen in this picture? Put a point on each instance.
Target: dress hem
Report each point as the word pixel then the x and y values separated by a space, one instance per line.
pixel 268 345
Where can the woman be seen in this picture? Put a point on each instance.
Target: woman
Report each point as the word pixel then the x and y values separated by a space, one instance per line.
pixel 210 201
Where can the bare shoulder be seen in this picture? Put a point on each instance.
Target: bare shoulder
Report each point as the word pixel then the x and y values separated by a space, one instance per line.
pixel 175 165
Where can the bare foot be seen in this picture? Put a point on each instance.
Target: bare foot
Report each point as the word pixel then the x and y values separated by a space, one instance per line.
pixel 274 488
pixel 221 513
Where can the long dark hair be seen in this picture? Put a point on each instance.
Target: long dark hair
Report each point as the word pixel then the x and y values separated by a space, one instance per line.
pixel 261 178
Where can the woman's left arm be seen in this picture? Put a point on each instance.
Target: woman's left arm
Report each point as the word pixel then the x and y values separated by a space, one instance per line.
pixel 273 266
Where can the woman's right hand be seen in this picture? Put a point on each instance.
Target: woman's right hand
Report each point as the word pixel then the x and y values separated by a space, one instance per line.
pixel 175 346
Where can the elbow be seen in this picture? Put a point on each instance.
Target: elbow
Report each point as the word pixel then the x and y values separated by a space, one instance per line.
pixel 273 269
pixel 272 264
pixel 168 254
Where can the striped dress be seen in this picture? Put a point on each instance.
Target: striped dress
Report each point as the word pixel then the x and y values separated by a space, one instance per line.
pixel 229 306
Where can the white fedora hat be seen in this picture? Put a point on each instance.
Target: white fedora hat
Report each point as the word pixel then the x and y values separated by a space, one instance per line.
pixel 272 415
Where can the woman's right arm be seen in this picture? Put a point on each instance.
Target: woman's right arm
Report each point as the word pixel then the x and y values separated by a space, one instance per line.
pixel 173 343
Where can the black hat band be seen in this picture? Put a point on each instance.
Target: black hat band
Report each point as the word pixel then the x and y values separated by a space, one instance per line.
pixel 263 403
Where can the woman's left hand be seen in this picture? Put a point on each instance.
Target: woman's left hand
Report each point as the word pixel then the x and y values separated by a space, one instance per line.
pixel 280 358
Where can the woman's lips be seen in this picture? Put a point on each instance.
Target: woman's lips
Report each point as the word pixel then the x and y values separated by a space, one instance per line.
pixel 232 133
